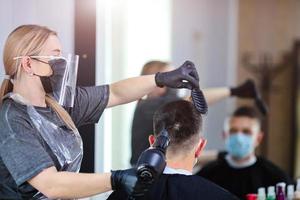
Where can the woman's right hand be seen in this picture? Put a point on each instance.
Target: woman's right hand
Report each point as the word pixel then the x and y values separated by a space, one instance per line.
pixel 127 181
pixel 186 76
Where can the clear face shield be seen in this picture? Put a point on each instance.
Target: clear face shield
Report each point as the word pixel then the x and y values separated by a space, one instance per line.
pixel 61 84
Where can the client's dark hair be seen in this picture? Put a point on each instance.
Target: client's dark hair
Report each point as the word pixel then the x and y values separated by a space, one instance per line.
pixel 246 111
pixel 182 121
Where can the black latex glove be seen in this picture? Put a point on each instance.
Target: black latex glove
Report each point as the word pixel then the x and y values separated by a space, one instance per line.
pixel 245 90
pixel 127 181
pixel 186 76
pixel 261 106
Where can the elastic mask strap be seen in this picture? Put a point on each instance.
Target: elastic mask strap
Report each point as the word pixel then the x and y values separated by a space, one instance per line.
pixel 40 61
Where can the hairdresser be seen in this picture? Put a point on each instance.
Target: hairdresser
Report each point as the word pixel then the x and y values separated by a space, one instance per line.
pixel 41 109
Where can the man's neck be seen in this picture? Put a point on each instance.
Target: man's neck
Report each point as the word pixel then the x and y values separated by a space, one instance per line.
pixel 242 160
pixel 241 163
pixel 181 162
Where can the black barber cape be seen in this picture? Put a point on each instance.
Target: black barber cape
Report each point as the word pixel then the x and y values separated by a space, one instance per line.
pixel 245 180
pixel 181 187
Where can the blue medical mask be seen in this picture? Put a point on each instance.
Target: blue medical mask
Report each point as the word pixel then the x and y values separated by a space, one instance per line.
pixel 239 145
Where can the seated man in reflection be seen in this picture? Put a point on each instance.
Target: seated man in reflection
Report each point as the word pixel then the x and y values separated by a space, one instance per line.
pixel 142 124
pixel 240 171
pixel 183 123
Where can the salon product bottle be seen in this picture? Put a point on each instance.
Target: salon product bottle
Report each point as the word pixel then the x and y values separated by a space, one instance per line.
pixel 298 185
pixel 271 193
pixel 283 186
pixel 261 194
pixel 280 193
pixel 251 197
pixel 297 192
pixel 290 192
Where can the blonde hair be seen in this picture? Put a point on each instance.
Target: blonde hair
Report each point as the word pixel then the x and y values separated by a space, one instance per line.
pixel 23 41
pixel 153 67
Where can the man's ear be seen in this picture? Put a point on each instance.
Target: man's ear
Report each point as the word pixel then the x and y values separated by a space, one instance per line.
pixel 259 138
pixel 25 64
pixel 151 139
pixel 201 145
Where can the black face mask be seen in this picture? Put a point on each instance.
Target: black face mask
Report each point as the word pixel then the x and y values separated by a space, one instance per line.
pixel 46 82
pixel 51 83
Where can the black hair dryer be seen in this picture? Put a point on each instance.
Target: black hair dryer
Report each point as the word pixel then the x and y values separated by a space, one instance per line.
pixel 152 161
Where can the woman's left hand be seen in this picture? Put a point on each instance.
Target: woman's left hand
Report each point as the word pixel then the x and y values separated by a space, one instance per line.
pixel 128 181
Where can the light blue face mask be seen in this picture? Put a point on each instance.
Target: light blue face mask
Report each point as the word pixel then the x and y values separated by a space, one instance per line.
pixel 239 145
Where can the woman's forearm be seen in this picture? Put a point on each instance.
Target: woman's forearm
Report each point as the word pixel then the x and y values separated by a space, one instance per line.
pixel 131 89
pixel 69 185
pixel 79 185
pixel 214 95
